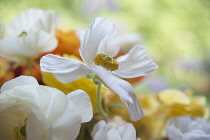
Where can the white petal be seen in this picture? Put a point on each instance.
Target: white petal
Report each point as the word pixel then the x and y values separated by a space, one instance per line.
pixel 14 116
pixel 32 20
pixel 127 41
pixel 19 81
pixel 99 131
pixel 135 63
pixel 65 70
pixel 81 34
pixel 196 135
pixel 99 125
pixel 2 30
pixel 57 102
pixel 99 38
pixel 67 126
pixel 29 46
pixel 82 101
pixel 130 131
pixel 11 48
pixel 10 118
pixel 114 135
pixel 123 89
pixel 36 124
pixel 39 43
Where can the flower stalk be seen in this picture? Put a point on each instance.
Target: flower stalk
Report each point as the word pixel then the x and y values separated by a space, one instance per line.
pixel 99 102
pixel 30 70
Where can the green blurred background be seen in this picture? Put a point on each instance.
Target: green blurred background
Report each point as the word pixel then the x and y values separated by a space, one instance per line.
pixel 175 33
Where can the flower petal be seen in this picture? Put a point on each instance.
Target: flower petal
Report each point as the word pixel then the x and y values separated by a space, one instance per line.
pixel 99 38
pixel 127 41
pixel 135 63
pixel 32 20
pixel 123 89
pixel 19 81
pixel 130 131
pixel 36 124
pixel 99 131
pixel 114 135
pixel 82 101
pixel 67 126
pixel 27 46
pixel 65 70
pixel 56 103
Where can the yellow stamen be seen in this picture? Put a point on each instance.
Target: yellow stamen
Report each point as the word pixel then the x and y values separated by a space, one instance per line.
pixel 106 61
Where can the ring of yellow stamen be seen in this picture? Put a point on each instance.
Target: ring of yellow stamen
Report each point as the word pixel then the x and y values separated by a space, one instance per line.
pixel 106 61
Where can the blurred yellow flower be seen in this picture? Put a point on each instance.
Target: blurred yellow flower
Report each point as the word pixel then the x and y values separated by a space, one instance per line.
pixel 158 108
pixel 82 83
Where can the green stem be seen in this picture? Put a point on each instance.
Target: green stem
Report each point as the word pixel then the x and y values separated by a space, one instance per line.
pixel 99 103
pixel 30 70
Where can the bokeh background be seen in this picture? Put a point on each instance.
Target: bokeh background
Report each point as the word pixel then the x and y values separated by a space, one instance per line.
pixel 175 33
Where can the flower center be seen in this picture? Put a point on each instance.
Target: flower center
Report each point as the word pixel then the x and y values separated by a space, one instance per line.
pixel 20 132
pixel 106 61
pixel 22 34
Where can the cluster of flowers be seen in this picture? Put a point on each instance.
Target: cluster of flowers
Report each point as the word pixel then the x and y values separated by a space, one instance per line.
pixel 73 66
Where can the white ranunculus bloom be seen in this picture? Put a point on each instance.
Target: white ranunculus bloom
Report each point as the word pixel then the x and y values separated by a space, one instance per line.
pixel 34 112
pixel 97 50
pixel 2 30
pixel 26 48
pixel 29 35
pixel 188 128
pixel 110 131
pixel 33 20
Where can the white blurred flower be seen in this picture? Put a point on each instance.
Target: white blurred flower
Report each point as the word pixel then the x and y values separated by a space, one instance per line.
pixel 127 41
pixel 103 131
pixel 188 128
pixel 29 35
pixel 26 48
pixel 97 50
pixel 2 30
pixel 33 20
pixel 34 112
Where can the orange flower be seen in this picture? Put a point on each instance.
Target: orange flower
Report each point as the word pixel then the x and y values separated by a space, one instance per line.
pixel 68 43
pixel 5 71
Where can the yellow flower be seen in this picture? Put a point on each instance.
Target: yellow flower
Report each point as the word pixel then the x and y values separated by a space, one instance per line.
pixel 82 83
pixel 181 103
pixel 158 108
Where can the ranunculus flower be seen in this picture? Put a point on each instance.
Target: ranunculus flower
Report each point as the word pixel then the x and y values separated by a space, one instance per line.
pixel 112 131
pixel 188 128
pixel 26 48
pixel 82 83
pixel 34 112
pixel 33 20
pixel 97 51
pixel 28 36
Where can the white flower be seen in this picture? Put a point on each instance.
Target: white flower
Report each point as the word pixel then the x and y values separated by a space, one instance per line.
pixel 110 131
pixel 188 128
pixel 29 35
pixel 2 30
pixel 97 50
pixel 29 110
pixel 33 20
pixel 127 41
